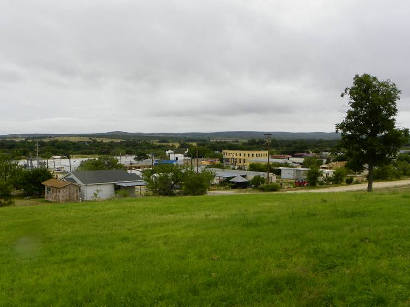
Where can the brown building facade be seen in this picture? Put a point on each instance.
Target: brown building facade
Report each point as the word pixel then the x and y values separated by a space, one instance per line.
pixel 61 191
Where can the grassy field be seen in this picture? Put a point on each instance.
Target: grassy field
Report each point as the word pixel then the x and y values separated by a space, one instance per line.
pixel 242 250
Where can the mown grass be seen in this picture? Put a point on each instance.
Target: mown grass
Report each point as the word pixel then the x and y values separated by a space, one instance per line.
pixel 330 249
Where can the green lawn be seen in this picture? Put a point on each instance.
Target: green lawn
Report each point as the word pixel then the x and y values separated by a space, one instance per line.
pixel 237 250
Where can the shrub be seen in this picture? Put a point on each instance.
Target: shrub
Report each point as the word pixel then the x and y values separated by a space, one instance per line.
pixel 121 193
pixel 349 180
pixel 386 172
pixel 339 175
pixel 271 187
pixel 403 167
pixel 257 181
pixel 196 183
pixel 5 194
pixel 313 176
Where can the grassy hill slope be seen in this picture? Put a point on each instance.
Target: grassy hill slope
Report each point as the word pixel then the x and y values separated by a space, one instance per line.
pixel 259 250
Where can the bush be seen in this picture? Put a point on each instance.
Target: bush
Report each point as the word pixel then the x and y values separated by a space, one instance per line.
pixel 313 176
pixel 271 187
pixel 5 194
pixel 196 183
pixel 257 181
pixel 386 172
pixel 349 180
pixel 403 167
pixel 339 175
pixel 121 193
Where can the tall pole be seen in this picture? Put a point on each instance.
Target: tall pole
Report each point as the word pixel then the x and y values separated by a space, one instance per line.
pixel 268 135
pixel 38 164
pixel 197 160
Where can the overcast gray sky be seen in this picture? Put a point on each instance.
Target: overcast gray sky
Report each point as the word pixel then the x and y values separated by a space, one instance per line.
pixel 185 65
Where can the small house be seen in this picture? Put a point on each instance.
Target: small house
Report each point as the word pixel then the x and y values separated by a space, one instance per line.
pixel 61 191
pixel 103 184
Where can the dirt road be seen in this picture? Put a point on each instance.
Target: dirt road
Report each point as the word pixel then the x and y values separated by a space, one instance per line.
pixel 357 187
pixel 345 188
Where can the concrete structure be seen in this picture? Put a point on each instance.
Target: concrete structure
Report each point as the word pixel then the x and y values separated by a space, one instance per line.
pixel 293 173
pixel 242 158
pixel 102 184
pixel 178 157
pixel 61 191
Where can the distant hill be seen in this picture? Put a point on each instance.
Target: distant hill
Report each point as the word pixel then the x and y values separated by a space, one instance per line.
pixel 222 135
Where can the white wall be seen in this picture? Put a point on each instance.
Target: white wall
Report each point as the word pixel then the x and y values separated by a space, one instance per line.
pixel 287 173
pixel 104 191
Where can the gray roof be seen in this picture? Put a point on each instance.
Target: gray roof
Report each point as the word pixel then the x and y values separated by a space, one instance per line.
pixel 233 173
pixel 103 176
pixel 238 179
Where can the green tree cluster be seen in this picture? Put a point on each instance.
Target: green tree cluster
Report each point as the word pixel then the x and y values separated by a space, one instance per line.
pixel 101 163
pixel 30 181
pixel 167 179
pixel 311 162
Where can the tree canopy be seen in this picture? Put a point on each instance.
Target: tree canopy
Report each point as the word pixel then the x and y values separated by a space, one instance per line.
pixel 369 136
pixel 101 163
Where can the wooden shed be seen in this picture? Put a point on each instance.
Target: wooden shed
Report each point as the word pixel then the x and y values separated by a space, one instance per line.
pixel 60 191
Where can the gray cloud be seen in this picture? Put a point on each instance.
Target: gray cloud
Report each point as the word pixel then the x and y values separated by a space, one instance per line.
pixel 186 65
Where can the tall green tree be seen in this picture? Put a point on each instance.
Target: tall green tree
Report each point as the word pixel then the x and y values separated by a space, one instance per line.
pixel 30 181
pixel 369 133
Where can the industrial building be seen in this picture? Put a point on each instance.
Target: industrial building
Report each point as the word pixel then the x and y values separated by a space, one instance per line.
pixel 242 158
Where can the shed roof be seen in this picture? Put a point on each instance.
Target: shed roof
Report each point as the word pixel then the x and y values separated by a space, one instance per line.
pixel 104 176
pixel 56 183
pixel 238 179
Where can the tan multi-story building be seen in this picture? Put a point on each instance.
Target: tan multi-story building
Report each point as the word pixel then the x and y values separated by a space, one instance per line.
pixel 242 158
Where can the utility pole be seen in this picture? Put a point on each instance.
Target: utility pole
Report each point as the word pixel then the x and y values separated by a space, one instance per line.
pixel 192 160
pixel 38 161
pixel 152 160
pixel 197 159
pixel 268 136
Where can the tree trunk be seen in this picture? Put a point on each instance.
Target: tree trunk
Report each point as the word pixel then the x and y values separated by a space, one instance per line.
pixel 370 178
